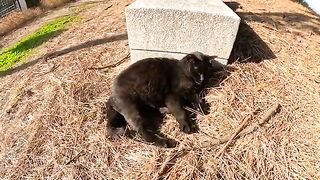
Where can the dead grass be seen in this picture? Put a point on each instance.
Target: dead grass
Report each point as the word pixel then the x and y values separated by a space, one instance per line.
pixel 50 111
pixel 54 3
pixel 17 19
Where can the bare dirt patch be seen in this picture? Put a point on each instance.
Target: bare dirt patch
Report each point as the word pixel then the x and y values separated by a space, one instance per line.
pixel 50 109
pixel 17 19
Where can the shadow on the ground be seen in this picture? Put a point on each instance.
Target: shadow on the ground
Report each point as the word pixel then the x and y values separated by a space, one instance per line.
pixel 281 20
pixel 118 37
pixel 249 47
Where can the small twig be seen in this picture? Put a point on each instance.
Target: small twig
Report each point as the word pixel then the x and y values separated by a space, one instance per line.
pixel 111 65
pixel 110 6
pixel 249 129
pixel 207 134
pixel 235 134
pixel 246 59
pixel 201 109
pixel 241 131
pixel 265 117
pixel 74 158
pixel 193 111
pixel 164 167
pixel 170 160
pixel 55 66
pixel 271 28
pixel 268 114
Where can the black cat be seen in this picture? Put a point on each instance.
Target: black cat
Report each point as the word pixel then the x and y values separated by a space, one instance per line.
pixel 149 84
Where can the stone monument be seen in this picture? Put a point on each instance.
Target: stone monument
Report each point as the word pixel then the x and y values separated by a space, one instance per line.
pixel 173 28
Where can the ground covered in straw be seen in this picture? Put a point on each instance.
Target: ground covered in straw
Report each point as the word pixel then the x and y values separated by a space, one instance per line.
pixel 51 109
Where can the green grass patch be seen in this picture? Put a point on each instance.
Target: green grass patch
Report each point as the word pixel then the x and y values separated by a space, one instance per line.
pixel 22 48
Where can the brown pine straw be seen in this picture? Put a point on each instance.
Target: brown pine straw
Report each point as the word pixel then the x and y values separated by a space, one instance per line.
pixel 241 130
pixel 50 110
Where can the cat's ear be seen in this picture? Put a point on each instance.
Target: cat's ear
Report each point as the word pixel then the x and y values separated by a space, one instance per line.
pixel 190 58
pixel 187 62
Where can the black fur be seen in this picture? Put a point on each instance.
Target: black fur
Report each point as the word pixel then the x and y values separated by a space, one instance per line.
pixel 149 84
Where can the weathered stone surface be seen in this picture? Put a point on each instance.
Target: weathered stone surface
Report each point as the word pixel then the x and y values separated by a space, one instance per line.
pixel 181 27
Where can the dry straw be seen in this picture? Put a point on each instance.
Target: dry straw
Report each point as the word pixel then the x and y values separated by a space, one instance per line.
pixel 17 19
pixel 50 110
pixel 54 3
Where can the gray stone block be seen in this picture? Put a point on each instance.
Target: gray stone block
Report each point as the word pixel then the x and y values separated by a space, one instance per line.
pixel 181 27
pixel 136 55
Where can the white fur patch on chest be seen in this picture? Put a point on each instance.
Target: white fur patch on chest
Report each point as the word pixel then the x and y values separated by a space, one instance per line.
pixel 201 77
